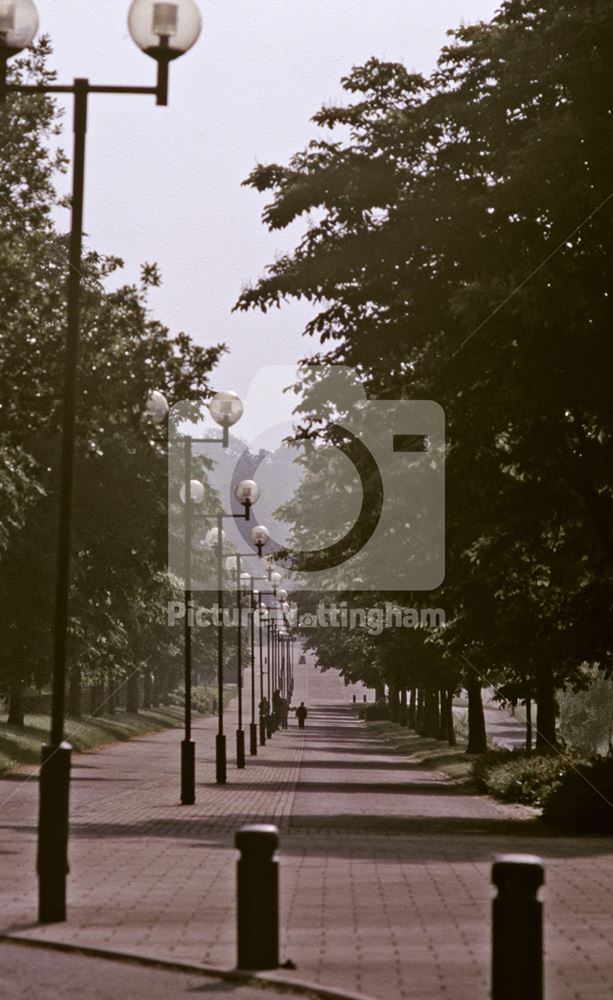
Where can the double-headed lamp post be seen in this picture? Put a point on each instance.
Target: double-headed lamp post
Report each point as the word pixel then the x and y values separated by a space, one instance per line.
pixel 164 31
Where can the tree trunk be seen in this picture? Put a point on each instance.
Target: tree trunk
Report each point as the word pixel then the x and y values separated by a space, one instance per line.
pixel 403 707
pixel 74 691
pixel 380 692
pixel 528 724
pixel 394 707
pixel 132 693
pixel 147 688
pixel 444 716
pixel 420 722
pixel 450 723
pixel 155 690
pixel 164 687
pixel 16 706
pixel 412 715
pixel 432 714
pixel 546 741
pixel 110 705
pixel 100 706
pixel 477 740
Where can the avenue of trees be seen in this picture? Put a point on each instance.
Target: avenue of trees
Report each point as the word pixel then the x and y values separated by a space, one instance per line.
pixel 120 587
pixel 458 247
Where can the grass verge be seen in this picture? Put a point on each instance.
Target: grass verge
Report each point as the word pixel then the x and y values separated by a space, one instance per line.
pixel 20 745
pixel 451 761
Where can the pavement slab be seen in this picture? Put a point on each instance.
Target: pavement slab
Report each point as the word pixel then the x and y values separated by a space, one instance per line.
pixel 385 864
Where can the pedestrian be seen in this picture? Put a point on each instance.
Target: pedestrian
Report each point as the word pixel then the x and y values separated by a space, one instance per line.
pixel 284 709
pixel 276 709
pixel 301 714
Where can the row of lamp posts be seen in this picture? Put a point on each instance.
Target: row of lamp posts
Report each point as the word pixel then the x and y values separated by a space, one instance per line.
pixel 226 409
pixel 163 31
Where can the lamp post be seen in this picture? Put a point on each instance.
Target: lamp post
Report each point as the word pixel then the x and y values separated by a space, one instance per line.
pixel 226 410
pixel 262 614
pixel 247 585
pixel 164 31
pixel 247 493
pixel 244 581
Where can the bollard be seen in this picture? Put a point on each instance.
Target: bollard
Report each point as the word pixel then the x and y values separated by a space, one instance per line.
pixel 257 907
pixel 517 928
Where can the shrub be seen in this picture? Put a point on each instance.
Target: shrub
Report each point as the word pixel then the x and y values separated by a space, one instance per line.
pixel 582 802
pixel 377 712
pixel 519 776
pixel 200 699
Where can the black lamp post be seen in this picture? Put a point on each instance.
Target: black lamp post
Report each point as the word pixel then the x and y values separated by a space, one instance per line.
pixel 247 493
pixel 164 31
pixel 244 582
pixel 226 410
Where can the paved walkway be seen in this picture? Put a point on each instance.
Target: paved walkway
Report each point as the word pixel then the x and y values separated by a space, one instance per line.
pixel 384 863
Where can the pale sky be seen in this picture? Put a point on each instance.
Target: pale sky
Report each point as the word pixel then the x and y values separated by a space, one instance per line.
pixel 163 184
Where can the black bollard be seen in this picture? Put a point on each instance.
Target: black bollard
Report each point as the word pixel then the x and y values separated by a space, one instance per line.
pixel 253 738
pixel 517 928
pixel 262 731
pixel 52 860
pixel 188 772
pixel 257 897
pixel 240 748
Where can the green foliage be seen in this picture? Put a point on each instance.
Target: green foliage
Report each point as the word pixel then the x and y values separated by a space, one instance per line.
pixel 201 698
pixel 582 802
pixel 586 715
pixel 119 585
pixel 379 711
pixel 459 248
pixel 517 776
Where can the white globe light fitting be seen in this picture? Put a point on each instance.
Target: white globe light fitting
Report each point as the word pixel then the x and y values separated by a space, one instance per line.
pixel 247 492
pixel 212 537
pixel 259 535
pixel 226 408
pixel 18 25
pixel 196 491
pixel 164 30
pixel 156 407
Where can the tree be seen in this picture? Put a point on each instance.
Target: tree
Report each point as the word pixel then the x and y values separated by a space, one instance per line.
pixel 120 522
pixel 460 249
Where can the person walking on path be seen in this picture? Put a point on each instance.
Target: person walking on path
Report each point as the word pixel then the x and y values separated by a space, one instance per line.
pixel 301 714
pixel 284 708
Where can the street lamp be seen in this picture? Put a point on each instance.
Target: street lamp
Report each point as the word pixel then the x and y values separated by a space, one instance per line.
pixel 226 409
pixel 259 536
pixel 18 26
pixel 247 495
pixel 264 716
pixel 156 407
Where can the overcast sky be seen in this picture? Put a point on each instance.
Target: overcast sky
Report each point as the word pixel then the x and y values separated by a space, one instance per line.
pixel 163 184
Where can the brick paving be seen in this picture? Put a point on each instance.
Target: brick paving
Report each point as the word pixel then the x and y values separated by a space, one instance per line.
pixel 384 863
